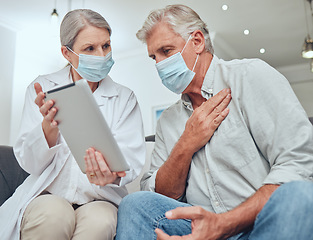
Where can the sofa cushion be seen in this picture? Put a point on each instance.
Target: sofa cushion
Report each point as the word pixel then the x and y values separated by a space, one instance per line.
pixel 134 186
pixel 11 174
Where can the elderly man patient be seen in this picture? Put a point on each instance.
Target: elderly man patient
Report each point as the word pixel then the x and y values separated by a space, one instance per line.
pixel 233 158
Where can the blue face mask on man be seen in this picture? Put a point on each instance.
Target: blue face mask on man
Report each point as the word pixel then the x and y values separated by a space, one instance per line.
pixel 175 74
pixel 93 68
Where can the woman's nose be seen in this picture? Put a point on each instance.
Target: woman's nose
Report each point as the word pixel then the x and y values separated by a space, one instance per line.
pixel 101 52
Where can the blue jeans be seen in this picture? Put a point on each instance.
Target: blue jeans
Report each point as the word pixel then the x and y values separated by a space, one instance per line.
pixel 287 215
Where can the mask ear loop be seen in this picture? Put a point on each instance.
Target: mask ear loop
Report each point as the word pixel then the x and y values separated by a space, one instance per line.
pixel 197 54
pixel 72 51
pixel 186 44
pixel 70 62
pixel 195 63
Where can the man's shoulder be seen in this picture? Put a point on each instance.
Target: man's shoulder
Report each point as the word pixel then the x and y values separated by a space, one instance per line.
pixel 172 109
pixel 174 116
pixel 244 69
pixel 242 63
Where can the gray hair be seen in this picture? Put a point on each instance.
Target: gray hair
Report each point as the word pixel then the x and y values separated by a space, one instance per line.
pixel 182 19
pixel 76 20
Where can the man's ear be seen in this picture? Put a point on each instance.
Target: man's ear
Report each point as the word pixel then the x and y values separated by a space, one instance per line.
pixel 198 41
pixel 66 53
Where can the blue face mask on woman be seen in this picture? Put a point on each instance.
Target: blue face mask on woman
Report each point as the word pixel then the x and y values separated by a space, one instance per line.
pixel 93 68
pixel 175 74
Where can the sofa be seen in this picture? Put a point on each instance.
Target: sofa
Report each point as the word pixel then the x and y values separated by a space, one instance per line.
pixel 12 175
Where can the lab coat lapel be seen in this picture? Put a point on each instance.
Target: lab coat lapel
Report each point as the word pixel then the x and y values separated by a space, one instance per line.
pixel 60 78
pixel 105 90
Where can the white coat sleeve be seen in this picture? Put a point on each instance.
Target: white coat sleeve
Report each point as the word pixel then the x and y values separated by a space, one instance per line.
pixel 129 135
pixel 31 148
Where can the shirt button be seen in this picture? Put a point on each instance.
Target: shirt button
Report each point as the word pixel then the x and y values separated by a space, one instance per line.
pixel 207 170
pixel 216 203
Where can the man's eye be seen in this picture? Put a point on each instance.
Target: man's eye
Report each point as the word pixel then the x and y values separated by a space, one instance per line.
pixel 166 51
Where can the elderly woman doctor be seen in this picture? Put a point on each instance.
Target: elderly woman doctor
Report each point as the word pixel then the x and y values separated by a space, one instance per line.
pixel 58 201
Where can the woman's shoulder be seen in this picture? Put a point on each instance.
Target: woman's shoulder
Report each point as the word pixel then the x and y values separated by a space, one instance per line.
pixel 48 81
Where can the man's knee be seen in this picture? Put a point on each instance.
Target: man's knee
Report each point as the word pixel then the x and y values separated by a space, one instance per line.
pixel 297 194
pixel 287 214
pixel 290 199
pixel 136 200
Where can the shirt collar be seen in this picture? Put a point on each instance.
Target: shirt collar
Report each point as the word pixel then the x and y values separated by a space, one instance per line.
pixel 207 88
pixel 186 102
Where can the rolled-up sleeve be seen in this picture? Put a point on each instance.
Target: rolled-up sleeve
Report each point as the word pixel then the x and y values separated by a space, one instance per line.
pixel 278 124
pixel 158 157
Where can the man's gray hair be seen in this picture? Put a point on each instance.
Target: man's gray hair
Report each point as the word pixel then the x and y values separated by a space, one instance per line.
pixel 76 20
pixel 182 19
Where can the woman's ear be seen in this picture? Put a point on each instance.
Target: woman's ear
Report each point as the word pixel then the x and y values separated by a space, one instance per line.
pixel 66 53
pixel 198 41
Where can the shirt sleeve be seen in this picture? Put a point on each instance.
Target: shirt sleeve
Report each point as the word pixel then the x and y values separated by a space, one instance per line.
pixel 158 157
pixel 278 124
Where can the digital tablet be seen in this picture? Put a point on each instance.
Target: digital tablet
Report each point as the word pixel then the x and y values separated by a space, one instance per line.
pixel 82 125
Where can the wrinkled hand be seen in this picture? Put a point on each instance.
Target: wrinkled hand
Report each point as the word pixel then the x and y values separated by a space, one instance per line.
pixel 205 225
pixel 49 125
pixel 205 119
pixel 97 169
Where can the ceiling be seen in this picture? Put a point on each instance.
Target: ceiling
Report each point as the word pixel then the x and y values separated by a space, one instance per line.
pixel 278 26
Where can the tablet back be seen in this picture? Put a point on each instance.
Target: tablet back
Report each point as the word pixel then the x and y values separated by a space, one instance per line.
pixel 82 125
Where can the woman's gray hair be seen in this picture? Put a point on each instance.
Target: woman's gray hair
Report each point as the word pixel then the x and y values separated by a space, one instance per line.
pixel 76 20
pixel 182 19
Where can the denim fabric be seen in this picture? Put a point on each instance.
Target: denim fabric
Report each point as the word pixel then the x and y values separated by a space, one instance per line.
pixel 287 215
pixel 140 213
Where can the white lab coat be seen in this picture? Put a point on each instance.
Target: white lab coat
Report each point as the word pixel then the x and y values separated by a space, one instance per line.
pixel 121 111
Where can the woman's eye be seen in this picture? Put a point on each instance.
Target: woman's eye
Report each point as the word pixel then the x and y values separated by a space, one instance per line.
pixel 89 49
pixel 105 46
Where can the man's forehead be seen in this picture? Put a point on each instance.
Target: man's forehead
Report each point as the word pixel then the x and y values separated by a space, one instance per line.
pixel 159 43
pixel 160 37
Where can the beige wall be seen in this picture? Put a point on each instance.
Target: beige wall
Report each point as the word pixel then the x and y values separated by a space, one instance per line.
pixel 7 56
pixel 20 65
pixel 304 92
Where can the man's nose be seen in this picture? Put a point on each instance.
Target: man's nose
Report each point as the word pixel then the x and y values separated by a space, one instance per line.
pixel 159 59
